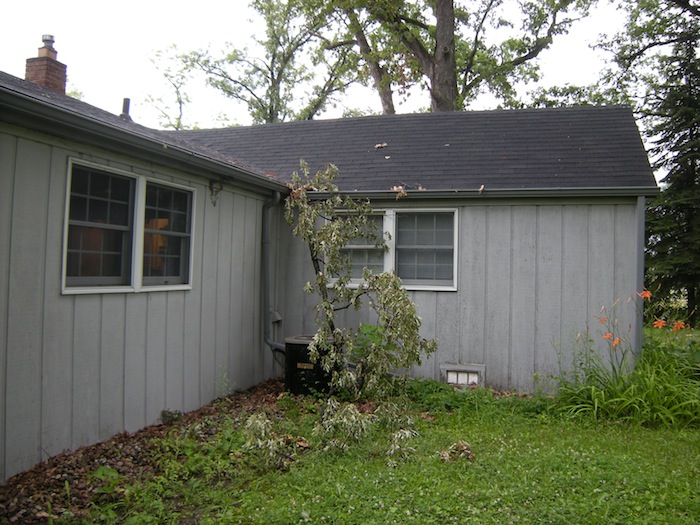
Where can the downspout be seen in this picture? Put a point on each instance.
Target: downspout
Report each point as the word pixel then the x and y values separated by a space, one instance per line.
pixel 267 310
pixel 638 334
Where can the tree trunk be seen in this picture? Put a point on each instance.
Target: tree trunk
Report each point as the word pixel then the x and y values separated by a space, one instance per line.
pixel 443 74
pixel 382 82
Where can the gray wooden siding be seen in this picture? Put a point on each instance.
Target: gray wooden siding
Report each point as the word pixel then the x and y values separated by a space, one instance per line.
pixel 77 369
pixel 531 278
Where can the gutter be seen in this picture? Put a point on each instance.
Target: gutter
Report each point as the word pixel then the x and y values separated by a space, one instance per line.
pixel 265 256
pixel 506 193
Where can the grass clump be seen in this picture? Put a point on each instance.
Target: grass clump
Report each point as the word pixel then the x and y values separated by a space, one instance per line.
pixel 661 389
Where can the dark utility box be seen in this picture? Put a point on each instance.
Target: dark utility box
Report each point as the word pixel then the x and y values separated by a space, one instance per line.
pixel 300 374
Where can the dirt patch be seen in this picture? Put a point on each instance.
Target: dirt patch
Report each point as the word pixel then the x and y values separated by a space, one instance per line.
pixel 66 483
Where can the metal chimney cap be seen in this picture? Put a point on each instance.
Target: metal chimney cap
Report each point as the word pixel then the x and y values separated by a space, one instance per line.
pixel 48 40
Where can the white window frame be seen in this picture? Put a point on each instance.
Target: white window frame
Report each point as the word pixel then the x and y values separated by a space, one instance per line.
pixel 136 283
pixel 389 226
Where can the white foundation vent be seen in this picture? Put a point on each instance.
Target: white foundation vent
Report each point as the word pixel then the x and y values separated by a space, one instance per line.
pixel 471 375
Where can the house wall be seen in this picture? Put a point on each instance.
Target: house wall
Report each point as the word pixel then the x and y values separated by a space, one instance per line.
pixel 77 369
pixel 533 275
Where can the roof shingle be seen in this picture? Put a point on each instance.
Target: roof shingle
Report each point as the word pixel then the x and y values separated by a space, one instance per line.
pixel 577 147
pixel 574 148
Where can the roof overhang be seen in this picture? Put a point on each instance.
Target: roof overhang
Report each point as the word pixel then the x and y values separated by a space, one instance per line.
pixel 29 112
pixel 490 194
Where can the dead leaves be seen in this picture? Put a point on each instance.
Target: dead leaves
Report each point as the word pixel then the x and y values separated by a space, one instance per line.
pixel 66 484
pixel 458 450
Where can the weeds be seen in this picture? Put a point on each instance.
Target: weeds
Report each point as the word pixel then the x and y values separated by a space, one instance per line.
pixel 484 459
pixel 661 389
pixel 265 447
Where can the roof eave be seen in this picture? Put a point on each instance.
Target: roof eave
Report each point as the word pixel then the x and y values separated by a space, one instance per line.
pixel 27 110
pixel 507 193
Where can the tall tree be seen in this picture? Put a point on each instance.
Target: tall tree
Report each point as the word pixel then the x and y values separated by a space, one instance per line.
pixel 296 77
pixel 455 49
pixel 656 67
pixel 674 217
pixel 177 77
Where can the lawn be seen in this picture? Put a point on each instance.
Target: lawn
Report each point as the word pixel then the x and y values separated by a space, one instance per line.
pixel 446 457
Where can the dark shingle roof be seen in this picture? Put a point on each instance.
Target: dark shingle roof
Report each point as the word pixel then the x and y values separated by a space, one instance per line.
pixel 570 148
pixel 25 103
pixel 533 149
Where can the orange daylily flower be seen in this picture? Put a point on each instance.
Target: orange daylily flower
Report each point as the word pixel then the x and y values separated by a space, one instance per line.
pixel 616 342
pixel 603 320
pixel 608 336
pixel 679 325
pixel 646 294
pixel 659 323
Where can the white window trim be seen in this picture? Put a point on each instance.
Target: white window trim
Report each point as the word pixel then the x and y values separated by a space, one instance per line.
pixel 389 225
pixel 136 277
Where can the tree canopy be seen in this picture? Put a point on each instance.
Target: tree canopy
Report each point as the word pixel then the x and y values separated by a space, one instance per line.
pixel 313 50
pixel 293 74
pixel 672 111
pixel 456 50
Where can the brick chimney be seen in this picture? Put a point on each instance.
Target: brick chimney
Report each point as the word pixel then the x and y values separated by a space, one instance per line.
pixel 45 70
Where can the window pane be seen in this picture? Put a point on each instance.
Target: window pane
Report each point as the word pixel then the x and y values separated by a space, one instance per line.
pixel 72 264
pixel 80 181
pixel 99 185
pixel 97 211
pixel 119 214
pixel 78 208
pixel 167 235
pixel 444 221
pixel 181 201
pixel 425 237
pixel 179 222
pixel 406 229
pixel 112 241
pixel 99 228
pixel 111 265
pixel 165 198
pixel 121 190
pixel 444 237
pixel 362 253
pixel 424 247
pixel 89 265
pixel 172 266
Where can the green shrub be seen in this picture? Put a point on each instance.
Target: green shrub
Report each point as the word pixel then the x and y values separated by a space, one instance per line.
pixel 662 389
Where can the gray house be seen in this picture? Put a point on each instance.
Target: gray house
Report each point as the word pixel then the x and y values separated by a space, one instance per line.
pixel 138 268
pixel 511 229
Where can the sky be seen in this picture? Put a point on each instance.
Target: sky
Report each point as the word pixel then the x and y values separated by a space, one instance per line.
pixel 109 48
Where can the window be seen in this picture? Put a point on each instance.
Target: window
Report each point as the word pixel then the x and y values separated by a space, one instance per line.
pixel 100 229
pixel 125 231
pixel 421 248
pixel 166 238
pixel 425 247
pixel 362 253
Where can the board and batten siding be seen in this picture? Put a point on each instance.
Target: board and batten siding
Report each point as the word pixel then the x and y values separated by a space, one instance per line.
pixel 77 369
pixel 531 278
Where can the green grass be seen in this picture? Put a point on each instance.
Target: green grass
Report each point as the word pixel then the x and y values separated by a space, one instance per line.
pixel 614 446
pixel 531 465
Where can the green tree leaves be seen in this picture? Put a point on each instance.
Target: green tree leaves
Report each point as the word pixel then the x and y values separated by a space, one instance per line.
pixel 296 71
pixel 656 59
pixel 359 358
